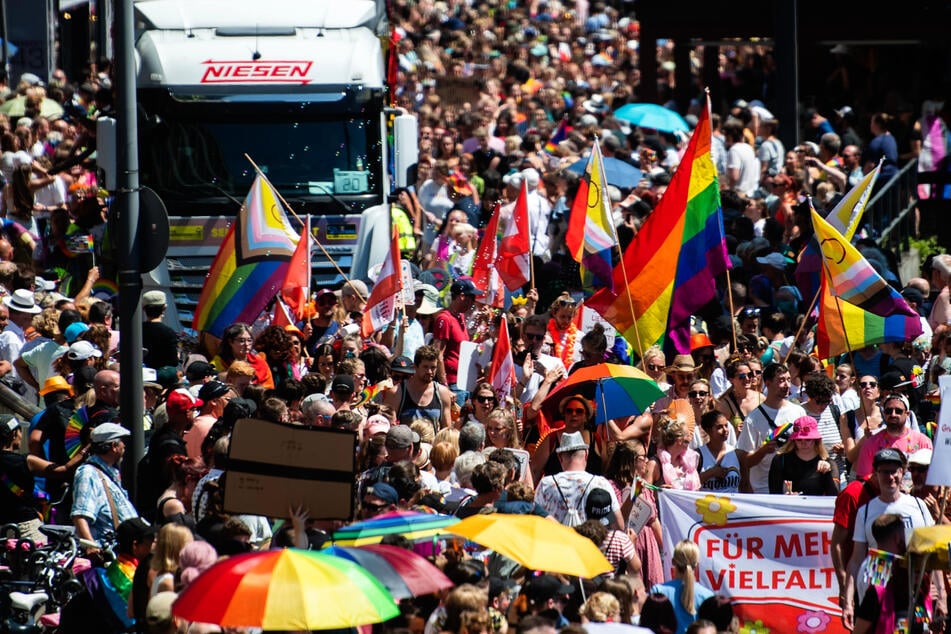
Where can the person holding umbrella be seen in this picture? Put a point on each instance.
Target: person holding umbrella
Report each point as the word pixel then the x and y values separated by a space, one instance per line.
pixel 577 412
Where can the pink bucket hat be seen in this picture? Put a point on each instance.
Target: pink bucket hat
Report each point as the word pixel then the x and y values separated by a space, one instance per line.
pixel 805 428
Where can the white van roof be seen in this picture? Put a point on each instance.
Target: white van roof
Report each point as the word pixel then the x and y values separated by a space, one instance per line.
pixel 209 14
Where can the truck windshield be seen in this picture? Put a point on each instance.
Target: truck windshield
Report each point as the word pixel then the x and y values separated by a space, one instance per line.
pixel 198 152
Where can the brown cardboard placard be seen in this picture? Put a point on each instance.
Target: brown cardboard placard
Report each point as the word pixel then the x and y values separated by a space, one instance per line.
pixel 273 467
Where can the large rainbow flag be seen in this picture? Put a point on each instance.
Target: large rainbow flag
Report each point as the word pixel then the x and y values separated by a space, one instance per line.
pixel 251 264
pixel 672 263
pixel 591 238
pixel 858 308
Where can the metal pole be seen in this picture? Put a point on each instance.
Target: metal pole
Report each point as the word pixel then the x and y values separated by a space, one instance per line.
pixel 127 207
pixel 4 57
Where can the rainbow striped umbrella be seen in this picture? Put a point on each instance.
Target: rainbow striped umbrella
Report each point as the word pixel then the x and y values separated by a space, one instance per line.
pixel 286 589
pixel 412 525
pixel 615 391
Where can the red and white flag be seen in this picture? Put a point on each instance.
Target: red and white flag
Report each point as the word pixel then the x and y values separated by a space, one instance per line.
pixel 381 306
pixel 484 273
pixel 281 316
pixel 296 289
pixel 502 369
pixel 513 264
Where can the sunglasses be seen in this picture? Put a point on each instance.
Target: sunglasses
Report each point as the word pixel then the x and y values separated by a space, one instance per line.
pixel 894 410
pixel 534 336
pixel 575 410
pixel 749 312
pixel 696 393
pixel 757 372
pixel 374 507
pixel 743 376
pixel 868 384
pixel 654 368
pixel 485 399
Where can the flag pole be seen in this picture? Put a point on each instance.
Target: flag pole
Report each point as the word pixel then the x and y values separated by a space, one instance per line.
pixel 345 277
pixel 803 324
pixel 630 305
pixel 729 294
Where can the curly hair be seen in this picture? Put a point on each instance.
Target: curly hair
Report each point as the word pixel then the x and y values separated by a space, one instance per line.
pixel 274 342
pixel 100 336
pixel 47 323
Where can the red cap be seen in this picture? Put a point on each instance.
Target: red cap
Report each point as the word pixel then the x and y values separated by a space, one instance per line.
pixel 181 400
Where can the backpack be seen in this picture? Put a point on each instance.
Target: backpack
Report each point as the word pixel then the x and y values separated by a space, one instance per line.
pixel 574 516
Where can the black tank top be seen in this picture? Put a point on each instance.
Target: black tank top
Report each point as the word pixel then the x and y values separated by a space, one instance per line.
pixel 410 410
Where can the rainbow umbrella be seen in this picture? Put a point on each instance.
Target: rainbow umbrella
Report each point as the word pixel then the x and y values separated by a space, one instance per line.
pixel 286 589
pixel 73 436
pixel 412 525
pixel 535 542
pixel 404 573
pixel 616 391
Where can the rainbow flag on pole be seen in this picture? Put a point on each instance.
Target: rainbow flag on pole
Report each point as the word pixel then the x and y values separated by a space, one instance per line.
pixel 858 308
pixel 251 263
pixel 560 134
pixel 672 263
pixel 591 238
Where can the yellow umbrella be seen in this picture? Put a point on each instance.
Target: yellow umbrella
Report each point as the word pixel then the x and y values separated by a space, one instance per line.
pixel 535 542
pixel 931 543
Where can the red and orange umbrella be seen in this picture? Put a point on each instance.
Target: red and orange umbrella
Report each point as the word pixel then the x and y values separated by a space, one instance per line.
pixel 286 589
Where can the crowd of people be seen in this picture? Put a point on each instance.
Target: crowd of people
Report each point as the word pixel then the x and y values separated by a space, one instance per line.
pixel 544 84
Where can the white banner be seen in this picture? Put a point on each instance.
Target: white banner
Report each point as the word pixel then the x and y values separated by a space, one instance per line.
pixel 939 473
pixel 771 554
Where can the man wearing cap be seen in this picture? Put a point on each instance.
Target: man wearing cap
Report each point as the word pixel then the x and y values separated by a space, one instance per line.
pixel 316 411
pixel 449 331
pixel 683 371
pixel 158 339
pixel 342 390
pixel 420 395
pixel 896 435
pixel 889 465
pixel 380 498
pixel 214 395
pixel 918 464
pixel 354 296
pixel 12 339
pixel 546 596
pixel 755 446
pixel 100 503
pixel 323 323
pixel 401 443
pixel 564 492
pixel 181 408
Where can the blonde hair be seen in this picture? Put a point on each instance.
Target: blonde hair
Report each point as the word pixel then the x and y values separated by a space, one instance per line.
pixel 169 543
pixel 239 369
pixel 505 416
pixel 685 559
pixel 423 427
pixel 601 607
pixel 447 434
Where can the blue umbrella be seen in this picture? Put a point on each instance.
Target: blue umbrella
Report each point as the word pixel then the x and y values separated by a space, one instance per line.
pixel 616 172
pixel 653 116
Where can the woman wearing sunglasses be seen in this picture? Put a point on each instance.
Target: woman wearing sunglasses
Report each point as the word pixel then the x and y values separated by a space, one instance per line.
pixel 867 419
pixel 655 365
pixel 741 398
pixel 802 465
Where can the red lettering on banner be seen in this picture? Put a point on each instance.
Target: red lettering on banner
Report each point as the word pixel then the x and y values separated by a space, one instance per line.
pixel 798 545
pixel 261 71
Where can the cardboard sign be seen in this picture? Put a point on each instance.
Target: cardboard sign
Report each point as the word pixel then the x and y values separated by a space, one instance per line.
pixel 273 467
pixel 939 473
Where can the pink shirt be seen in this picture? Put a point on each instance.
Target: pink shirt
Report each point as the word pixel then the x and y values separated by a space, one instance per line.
pixel 908 444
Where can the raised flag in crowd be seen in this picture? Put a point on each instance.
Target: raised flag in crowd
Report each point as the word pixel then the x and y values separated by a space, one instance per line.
pixel 381 308
pixel 858 308
pixel 669 270
pixel 251 264
pixel 514 263
pixel 591 238
pixel 484 272
pixel 296 289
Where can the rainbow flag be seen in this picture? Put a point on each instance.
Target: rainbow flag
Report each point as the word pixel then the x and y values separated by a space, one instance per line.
pixel 591 238
pixel 560 134
pixel 779 432
pixel 251 263
pixel 672 263
pixel 857 307
pixel 845 218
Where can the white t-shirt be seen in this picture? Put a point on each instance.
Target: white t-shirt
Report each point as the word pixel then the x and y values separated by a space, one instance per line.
pixel 913 512
pixel 731 482
pixel 743 157
pixel 756 428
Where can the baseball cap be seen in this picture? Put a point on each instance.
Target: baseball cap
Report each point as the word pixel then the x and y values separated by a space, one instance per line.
pixel 888 455
pixel 74 330
pixel 198 370
pixel 82 350
pixel 464 286
pixel 158 612
pixel 133 529
pixel 107 432
pixel 402 365
pixel 212 390
pixel 343 383
pixel 354 287
pixel 385 492
pixel 912 294
pixel 544 587
pixel 167 375
pixel 775 260
pixel 154 298
pixel 597 506
pixel 921 457
pixel 401 437
pixel 181 400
